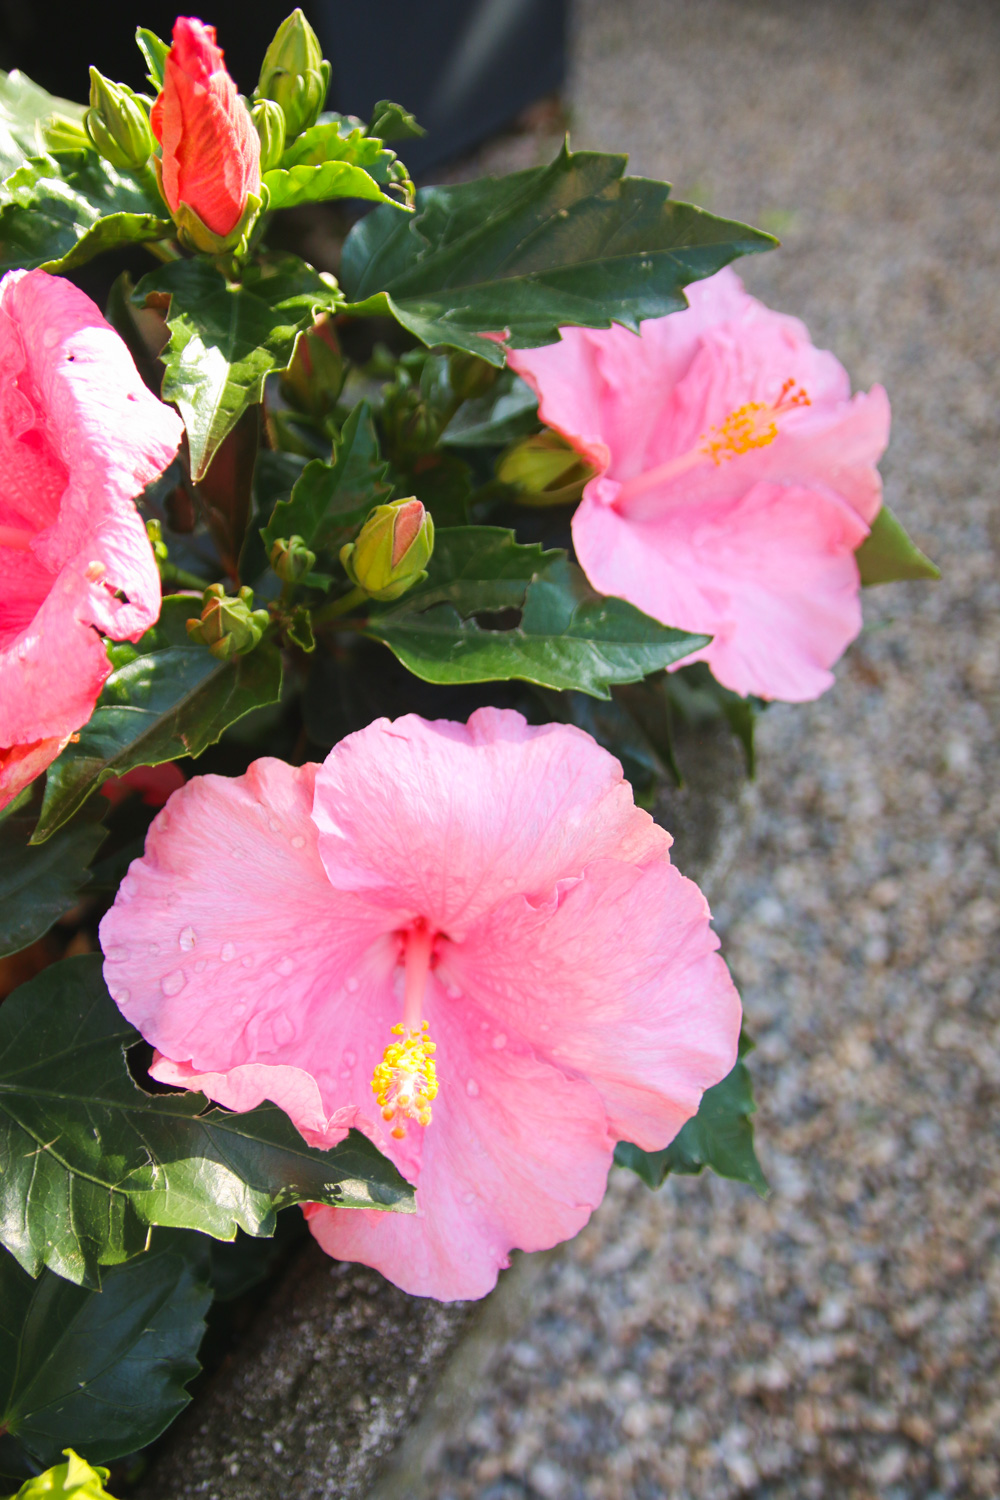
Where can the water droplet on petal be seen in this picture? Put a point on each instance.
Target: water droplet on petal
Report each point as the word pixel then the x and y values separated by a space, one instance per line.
pixel 187 939
pixel 453 992
pixel 247 961
pixel 345 1072
pixel 499 1041
pixel 472 1089
pixel 286 966
pixel 284 1029
pixel 352 984
pixel 228 952
pixel 350 1058
pixel 172 984
pixel 154 949
pixel 469 1197
pixel 116 955
pixel 122 996
pixel 299 841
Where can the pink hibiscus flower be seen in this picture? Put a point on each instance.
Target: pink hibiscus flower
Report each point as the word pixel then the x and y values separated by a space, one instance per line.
pixel 466 941
pixel 736 478
pixel 80 436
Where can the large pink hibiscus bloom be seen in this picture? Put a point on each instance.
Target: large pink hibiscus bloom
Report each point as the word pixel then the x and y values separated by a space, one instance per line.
pixel 80 436
pixel 736 477
pixel 492 880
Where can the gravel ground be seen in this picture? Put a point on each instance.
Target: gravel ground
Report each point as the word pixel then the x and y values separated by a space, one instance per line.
pixel 841 1338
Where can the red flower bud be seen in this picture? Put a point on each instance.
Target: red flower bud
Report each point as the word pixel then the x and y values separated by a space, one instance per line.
pixel 211 151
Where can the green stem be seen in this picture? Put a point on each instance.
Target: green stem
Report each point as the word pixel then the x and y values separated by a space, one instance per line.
pixel 337 607
pixel 164 250
pixel 171 574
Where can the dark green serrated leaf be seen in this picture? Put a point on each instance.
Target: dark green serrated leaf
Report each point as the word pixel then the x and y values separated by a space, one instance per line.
pixel 91 1161
pixel 227 337
pixel 889 555
pixel 720 1136
pixel 567 636
pixel 391 122
pixel 572 243
pixel 104 1371
pixel 24 109
pixel 165 699
pixel 330 500
pixel 507 412
pixel 38 884
pixel 58 211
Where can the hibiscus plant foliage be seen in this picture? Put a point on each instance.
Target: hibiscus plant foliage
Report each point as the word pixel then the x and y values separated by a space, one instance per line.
pixel 355 500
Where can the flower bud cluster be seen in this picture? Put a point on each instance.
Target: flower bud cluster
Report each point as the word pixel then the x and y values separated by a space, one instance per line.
pixel 118 124
pixel 229 624
pixel 295 74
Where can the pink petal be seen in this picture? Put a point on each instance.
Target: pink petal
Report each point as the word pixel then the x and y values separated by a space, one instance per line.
pixel 517 1156
pixel 230 951
pixel 20 764
pixel 455 817
pixel 619 982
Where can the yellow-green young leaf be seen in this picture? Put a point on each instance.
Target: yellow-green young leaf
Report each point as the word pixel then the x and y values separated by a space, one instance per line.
pixel 91 1161
pixel 576 242
pixel 888 555
pixel 491 609
pixel 720 1136
pixel 73 1480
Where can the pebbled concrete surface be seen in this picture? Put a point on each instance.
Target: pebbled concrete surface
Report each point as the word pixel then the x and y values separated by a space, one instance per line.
pixel 841 1338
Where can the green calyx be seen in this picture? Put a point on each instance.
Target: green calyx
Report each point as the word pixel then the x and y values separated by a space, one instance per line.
pixel 194 233
pixel 229 624
pixel 544 470
pixel 295 74
pixel 291 559
pixel 269 122
pixel 118 124
pixel 392 551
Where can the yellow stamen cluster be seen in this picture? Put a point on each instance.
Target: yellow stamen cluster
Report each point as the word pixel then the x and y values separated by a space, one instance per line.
pixel 405 1081
pixel 751 426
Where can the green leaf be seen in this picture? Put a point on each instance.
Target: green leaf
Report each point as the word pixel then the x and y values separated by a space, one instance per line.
pixel 154 50
pixel 167 697
pixel 888 555
pixel 697 698
pixel 227 337
pixel 75 1479
pixel 59 211
pixel 330 500
pixel 505 413
pixel 391 122
pixel 274 478
pixel 38 884
pixel 100 1370
pixel 25 109
pixel 336 159
pixel 572 243
pixel 720 1136
pixel 91 1161
pixel 566 636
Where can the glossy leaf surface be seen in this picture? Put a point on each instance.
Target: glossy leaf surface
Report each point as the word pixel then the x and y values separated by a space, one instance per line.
pixel 330 500
pixel 59 211
pixel 38 884
pixel 166 698
pixel 458 626
pixel 576 242
pixel 93 1161
pixel 227 337
pixel 104 1370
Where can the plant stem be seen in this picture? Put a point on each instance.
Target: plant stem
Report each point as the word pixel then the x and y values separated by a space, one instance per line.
pixel 339 606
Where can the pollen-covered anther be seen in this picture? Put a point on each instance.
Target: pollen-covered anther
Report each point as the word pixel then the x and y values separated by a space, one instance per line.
pixel 405 1081
pixel 753 425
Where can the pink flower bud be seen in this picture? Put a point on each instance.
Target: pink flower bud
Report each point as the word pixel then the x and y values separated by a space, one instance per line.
pixel 211 150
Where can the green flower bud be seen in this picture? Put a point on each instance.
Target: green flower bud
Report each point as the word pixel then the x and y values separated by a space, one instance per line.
pixel 229 624
pixel 544 469
pixel 470 376
pixel 269 121
pixel 291 559
pixel 295 74
pixel 392 549
pixel 118 124
pixel 410 423
pixel 155 533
